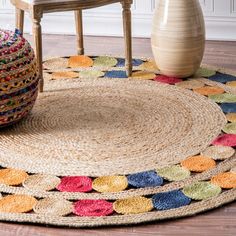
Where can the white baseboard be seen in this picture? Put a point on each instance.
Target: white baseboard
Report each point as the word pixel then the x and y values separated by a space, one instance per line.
pixel 221 28
pixel 101 24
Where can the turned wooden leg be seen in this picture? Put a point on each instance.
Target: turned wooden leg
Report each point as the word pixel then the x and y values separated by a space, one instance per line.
pixel 37 34
pixel 20 19
pixel 127 35
pixel 79 31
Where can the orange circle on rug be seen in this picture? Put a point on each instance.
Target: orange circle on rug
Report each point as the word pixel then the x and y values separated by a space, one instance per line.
pixel 12 176
pixel 17 204
pixel 209 90
pixel 198 163
pixel 225 180
pixel 65 75
pixel 80 61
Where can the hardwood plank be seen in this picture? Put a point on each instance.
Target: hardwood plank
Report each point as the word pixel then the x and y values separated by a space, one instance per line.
pixel 217 222
pixel 217 53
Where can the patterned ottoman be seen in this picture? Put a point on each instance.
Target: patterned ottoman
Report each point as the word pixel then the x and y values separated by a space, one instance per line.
pixel 18 77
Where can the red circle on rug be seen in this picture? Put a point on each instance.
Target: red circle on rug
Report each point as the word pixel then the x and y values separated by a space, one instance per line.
pixel 75 184
pixel 93 208
pixel 167 79
pixel 225 140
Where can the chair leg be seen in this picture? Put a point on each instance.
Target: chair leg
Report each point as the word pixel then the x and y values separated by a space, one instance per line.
pixel 79 31
pixel 37 33
pixel 20 19
pixel 127 35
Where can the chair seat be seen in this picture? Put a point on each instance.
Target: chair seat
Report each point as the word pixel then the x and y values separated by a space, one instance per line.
pixel 36 2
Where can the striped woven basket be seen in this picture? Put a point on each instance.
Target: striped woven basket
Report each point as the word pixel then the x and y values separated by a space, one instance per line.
pixel 18 77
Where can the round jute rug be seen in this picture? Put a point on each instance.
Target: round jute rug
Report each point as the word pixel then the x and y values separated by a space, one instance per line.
pixel 103 149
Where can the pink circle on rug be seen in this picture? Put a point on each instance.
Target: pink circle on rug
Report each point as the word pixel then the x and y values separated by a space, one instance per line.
pixel 75 184
pixel 225 140
pixel 93 208
pixel 167 79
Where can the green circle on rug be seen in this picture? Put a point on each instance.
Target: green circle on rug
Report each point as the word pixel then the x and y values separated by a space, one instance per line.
pixel 105 61
pixel 174 173
pixel 202 190
pixel 223 98
pixel 230 128
pixel 204 72
pixel 91 74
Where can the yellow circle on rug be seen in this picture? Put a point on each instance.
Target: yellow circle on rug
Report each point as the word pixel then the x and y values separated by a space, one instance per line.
pixel 231 117
pixel 231 83
pixel 209 90
pixel 225 180
pixel 149 66
pixel 64 75
pixel 109 184
pixel 80 61
pixel 198 163
pixel 17 204
pixel 144 75
pixel 12 176
pixel 134 205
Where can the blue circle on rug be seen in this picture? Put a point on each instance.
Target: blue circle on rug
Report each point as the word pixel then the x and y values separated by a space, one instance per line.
pixel 170 200
pixel 116 74
pixel 145 179
pixel 222 78
pixel 135 62
pixel 228 107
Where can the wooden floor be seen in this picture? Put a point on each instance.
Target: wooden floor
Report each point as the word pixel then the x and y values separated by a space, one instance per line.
pixel 219 222
pixel 217 53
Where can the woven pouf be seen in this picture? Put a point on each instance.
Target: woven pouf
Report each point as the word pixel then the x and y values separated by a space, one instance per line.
pixel 18 77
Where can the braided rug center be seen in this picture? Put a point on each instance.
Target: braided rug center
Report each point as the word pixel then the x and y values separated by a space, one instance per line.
pixel 103 127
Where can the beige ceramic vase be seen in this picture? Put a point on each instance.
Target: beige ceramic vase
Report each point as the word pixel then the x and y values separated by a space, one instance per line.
pixel 178 37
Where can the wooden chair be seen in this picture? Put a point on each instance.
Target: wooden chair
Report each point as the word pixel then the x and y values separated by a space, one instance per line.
pixel 36 9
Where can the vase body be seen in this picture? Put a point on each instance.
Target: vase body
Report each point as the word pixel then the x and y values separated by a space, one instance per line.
pixel 178 37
